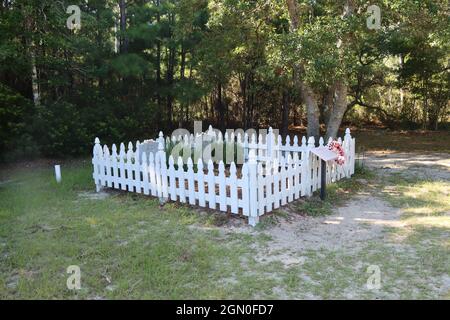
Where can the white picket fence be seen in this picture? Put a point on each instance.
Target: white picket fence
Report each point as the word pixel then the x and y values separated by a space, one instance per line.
pixel 272 174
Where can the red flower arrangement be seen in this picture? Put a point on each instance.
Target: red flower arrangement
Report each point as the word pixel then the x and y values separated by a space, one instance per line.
pixel 336 147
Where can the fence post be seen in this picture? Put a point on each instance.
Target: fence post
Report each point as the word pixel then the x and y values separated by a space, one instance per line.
pixel 351 151
pixel 270 140
pixel 245 143
pixel 145 176
pixel 349 163
pixel 122 167
pixel 253 217
pixel 163 172
pixel 115 167
pixel 97 152
pixel 311 180
pixel 172 184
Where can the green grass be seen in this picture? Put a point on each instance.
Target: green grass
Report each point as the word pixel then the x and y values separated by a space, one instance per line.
pixel 129 247
pixel 402 141
pixel 337 194
pixel 125 245
pixel 425 208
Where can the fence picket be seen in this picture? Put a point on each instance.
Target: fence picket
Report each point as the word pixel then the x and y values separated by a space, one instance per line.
pixel 201 183
pixel 211 185
pixel 106 167
pixel 129 171
pixel 233 189
pixel 276 184
pixel 145 177
pixel 164 183
pixel 245 187
pixel 181 180
pixel 137 172
pixel 157 168
pixel 269 186
pixel 222 188
pixel 121 168
pixel 172 180
pixel 291 179
pixel 283 178
pixel 253 185
pixel 261 185
pixel 191 184
pixel 152 175
pixel 114 165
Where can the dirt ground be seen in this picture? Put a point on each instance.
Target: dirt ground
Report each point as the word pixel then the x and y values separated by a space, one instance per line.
pixel 363 217
pixel 362 221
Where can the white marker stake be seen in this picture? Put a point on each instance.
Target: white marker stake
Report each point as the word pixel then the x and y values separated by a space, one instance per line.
pixel 58 173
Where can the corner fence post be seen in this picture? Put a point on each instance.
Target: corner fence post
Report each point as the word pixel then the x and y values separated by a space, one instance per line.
pixel 253 217
pixel 163 163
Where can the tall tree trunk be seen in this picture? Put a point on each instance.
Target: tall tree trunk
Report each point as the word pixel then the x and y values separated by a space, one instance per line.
pixel 341 88
pixel 169 77
pixel 123 26
pixel 219 107
pixel 328 103
pixel 338 111
pixel 34 77
pixel 308 96
pixel 402 95
pixel 184 105
pixel 158 62
pixel 312 111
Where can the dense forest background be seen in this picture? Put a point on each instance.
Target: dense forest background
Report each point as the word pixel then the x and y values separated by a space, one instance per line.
pixel 139 66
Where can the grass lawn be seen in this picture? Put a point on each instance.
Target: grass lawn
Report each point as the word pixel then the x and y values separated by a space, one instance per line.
pixel 402 141
pixel 127 246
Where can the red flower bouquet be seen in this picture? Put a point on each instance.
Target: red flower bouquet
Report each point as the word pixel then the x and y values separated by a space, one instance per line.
pixel 336 147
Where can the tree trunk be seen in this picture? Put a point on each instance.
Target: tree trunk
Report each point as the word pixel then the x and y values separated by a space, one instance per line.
pixel 184 105
pixel 340 88
pixel 169 77
pixel 285 115
pixel 312 111
pixel 123 26
pixel 338 110
pixel 328 104
pixel 158 62
pixel 219 108
pixel 34 78
pixel 308 96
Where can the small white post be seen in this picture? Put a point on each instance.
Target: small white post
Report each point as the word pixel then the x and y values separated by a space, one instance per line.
pixel 96 162
pixel 58 173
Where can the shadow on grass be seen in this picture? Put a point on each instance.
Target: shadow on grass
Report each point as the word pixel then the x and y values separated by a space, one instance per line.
pixel 337 194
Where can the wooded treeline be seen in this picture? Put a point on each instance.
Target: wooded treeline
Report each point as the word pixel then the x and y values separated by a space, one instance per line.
pixel 139 66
